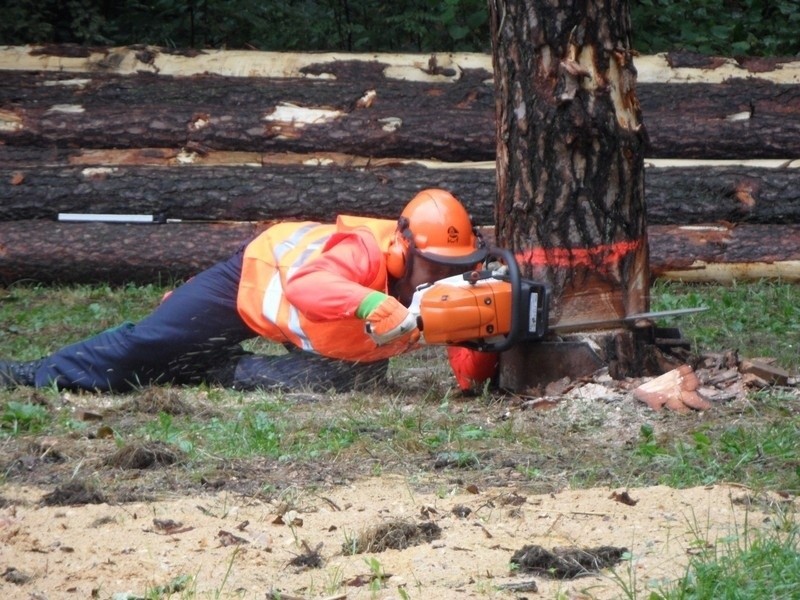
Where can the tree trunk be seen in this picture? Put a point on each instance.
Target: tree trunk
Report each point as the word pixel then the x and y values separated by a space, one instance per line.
pixel 570 161
pixel 570 153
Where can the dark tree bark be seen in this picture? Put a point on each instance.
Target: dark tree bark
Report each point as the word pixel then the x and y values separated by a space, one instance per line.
pixel 738 248
pixel 236 193
pixel 48 252
pixel 674 195
pixel 367 114
pixel 736 194
pixel 451 120
pixel 570 153
pixel 735 119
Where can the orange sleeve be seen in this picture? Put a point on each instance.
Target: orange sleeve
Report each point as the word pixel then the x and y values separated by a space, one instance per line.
pixel 471 368
pixel 332 285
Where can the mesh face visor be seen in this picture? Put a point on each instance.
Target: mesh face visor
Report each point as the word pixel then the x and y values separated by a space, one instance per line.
pixel 462 260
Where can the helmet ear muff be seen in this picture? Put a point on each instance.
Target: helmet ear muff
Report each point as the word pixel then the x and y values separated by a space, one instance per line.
pixel 397 256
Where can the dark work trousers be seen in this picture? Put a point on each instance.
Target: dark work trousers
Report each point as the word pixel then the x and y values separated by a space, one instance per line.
pixel 194 336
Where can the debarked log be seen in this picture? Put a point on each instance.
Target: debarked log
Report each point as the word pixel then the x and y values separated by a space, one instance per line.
pixel 362 111
pixel 48 252
pixel 678 195
pixel 432 66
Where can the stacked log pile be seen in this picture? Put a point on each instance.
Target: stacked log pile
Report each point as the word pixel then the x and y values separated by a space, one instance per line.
pixel 216 145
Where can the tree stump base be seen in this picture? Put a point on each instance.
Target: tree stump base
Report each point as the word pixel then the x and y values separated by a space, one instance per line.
pixel 638 352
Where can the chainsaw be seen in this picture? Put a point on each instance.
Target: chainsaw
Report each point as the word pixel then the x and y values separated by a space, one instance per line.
pixel 492 309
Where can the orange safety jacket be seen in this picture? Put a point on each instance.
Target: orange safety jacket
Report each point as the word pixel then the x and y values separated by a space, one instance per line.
pixel 302 283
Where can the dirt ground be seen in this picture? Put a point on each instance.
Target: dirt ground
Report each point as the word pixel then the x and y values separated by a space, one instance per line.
pixel 336 529
pixel 235 546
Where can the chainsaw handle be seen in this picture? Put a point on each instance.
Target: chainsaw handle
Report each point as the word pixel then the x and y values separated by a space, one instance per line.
pixel 515 280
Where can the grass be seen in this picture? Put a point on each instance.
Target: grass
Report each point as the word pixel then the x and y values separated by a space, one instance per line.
pixel 18 417
pixel 757 451
pixel 749 563
pixel 752 563
pixel 757 318
pixel 754 447
pixel 39 319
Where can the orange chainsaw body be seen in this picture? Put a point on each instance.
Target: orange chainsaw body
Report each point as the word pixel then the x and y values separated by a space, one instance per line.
pixel 454 313
pixel 491 310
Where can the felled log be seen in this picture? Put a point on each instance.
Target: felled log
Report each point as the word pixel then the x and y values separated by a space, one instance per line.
pixel 366 109
pixel 209 189
pixel 724 252
pixel 734 119
pixel 366 114
pixel 435 66
pixel 688 192
pixel 48 252
pixel 235 192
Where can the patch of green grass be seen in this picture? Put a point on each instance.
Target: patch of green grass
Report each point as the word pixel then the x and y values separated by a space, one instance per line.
pixel 182 584
pixel 35 319
pixel 759 319
pixel 270 428
pixel 458 435
pixel 762 455
pixel 763 563
pixel 23 417
pixel 172 430
pixel 274 427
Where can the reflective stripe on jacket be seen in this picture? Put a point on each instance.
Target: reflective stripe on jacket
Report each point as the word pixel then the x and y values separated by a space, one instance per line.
pixel 302 283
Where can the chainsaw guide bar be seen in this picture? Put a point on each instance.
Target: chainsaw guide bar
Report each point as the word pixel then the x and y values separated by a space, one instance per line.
pixel 630 319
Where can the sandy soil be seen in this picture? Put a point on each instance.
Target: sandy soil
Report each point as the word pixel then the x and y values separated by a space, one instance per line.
pixel 234 546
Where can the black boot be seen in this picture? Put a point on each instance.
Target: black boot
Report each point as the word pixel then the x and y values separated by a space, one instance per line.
pixel 15 373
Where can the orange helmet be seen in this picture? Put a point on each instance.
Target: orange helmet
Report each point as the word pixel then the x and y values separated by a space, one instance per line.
pixel 440 230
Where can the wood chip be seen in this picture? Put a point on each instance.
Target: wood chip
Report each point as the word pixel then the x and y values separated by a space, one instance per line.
pixel 226 538
pixel 624 498
pixel 771 374
pixel 676 389
pixel 520 586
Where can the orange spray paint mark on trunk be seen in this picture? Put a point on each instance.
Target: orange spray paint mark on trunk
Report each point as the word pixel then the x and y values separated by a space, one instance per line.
pixel 598 257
